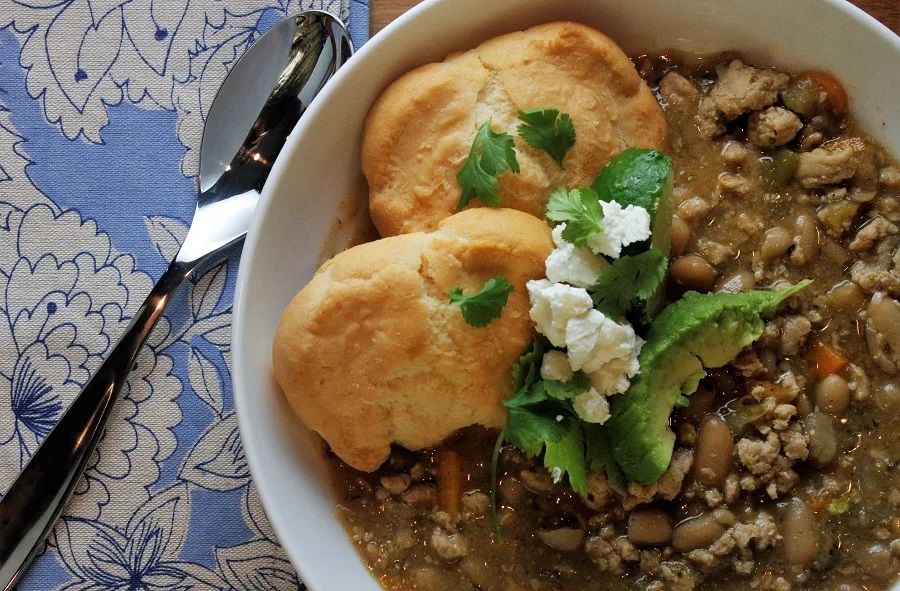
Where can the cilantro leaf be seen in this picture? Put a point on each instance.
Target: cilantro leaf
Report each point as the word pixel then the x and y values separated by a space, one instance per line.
pixel 529 428
pixel 535 394
pixel 637 176
pixel 566 456
pixel 557 390
pixel 541 130
pixel 527 370
pixel 598 455
pixel 628 279
pixel 491 153
pixel 580 210
pixel 544 390
pixel 550 428
pixel 480 308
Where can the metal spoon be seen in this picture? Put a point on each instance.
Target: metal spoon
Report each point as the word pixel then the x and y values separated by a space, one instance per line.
pixel 257 106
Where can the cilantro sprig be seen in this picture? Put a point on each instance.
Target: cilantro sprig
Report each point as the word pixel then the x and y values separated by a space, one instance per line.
pixel 581 211
pixel 598 456
pixel 628 279
pixel 545 129
pixel 540 420
pixel 545 390
pixel 479 309
pixel 491 153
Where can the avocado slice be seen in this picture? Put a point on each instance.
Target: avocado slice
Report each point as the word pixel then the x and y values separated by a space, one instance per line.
pixel 696 332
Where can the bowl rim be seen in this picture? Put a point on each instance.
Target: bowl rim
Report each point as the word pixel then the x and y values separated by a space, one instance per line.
pixel 240 324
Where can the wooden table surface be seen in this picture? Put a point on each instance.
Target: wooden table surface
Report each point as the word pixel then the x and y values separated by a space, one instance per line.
pixel 384 11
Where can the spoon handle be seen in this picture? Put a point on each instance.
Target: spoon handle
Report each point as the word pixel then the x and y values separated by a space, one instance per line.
pixel 36 498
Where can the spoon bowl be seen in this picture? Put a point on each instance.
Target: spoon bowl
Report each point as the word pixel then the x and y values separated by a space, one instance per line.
pixel 258 105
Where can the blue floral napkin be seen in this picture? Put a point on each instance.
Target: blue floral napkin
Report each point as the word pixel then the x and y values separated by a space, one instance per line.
pixel 101 114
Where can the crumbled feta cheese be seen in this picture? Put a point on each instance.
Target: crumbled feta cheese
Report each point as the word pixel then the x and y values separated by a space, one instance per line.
pixel 591 406
pixel 556 475
pixel 621 227
pixel 604 349
pixel 571 264
pixel 616 374
pixel 553 305
pixel 559 418
pixel 555 366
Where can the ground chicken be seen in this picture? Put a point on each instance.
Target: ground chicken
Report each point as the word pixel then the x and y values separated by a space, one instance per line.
pixel 762 532
pixel 678 92
pixel 794 331
pixel 781 416
pixel 396 483
pixel 715 253
pixel 667 487
pixel 537 480
pixel 687 434
pixel 881 272
pixel 769 460
pixel 738 153
pixel 694 209
pixel 772 127
pixel 732 488
pixel 475 504
pixel 448 546
pixel 830 164
pixel 788 334
pixel 858 382
pixel 671 481
pixel 780 479
pixel 603 554
pixel 733 183
pixel 420 493
pixel 638 494
pixel 749 224
pixel 678 576
pixel 702 558
pixel 876 229
pixel 744 567
pixel 446 520
pixel 794 442
pixel 757 455
pixel 889 176
pixel 749 364
pixel 599 492
pixel 740 88
pixel 713 497
pixel 626 550
pixel 650 561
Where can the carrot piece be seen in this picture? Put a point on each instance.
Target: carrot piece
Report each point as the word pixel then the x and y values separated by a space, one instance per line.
pixel 826 359
pixel 449 480
pixel 833 89
pixel 818 501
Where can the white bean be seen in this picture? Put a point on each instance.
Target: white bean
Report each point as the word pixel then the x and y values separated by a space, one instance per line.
pixel 833 395
pixel 649 527
pixel 822 440
pixel 799 532
pixel 697 532
pixel 712 458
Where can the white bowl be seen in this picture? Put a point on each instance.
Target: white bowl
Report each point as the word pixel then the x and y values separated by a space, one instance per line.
pixel 320 165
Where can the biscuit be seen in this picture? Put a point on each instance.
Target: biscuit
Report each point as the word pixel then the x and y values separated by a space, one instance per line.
pixel 372 353
pixel 419 132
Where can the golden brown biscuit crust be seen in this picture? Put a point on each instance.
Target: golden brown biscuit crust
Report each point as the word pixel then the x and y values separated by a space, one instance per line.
pixel 419 131
pixel 371 353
